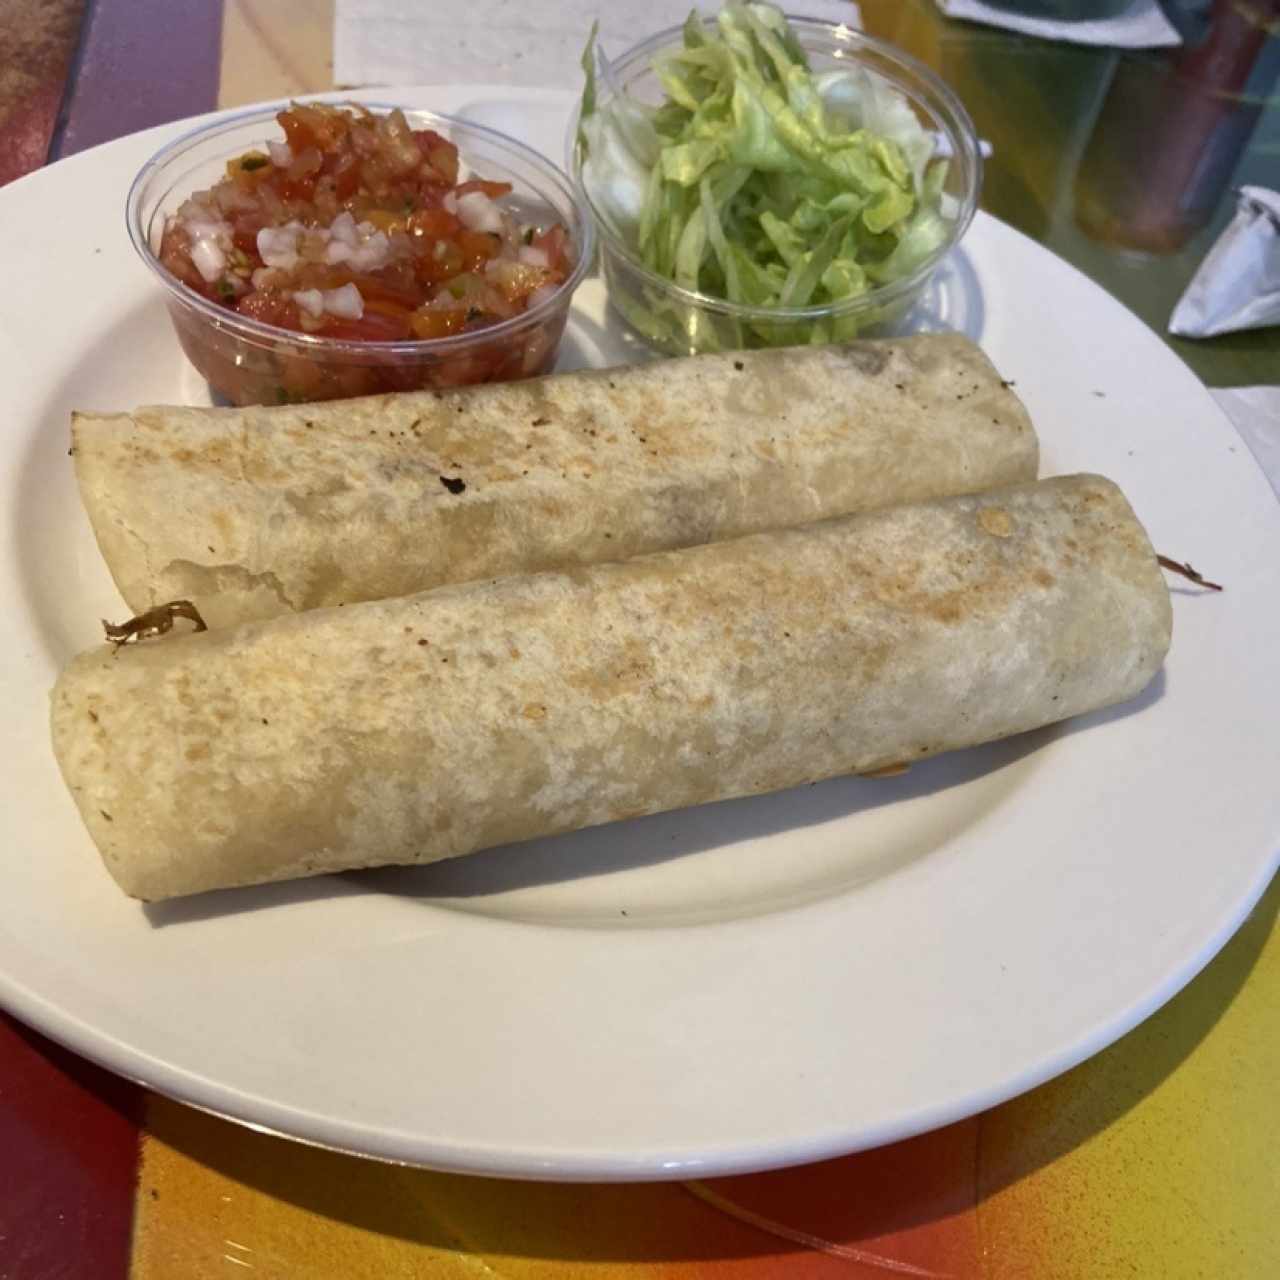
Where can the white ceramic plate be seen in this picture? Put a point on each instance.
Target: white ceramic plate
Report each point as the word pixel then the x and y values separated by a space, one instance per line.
pixel 740 986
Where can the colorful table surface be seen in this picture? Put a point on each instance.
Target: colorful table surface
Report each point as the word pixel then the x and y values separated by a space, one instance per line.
pixel 1156 1158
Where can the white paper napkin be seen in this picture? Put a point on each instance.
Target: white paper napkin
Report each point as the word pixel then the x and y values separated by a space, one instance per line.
pixel 514 42
pixel 1256 414
pixel 1237 286
pixel 1140 26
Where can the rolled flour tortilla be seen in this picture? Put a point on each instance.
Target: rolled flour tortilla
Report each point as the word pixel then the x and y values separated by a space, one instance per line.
pixel 253 513
pixel 408 730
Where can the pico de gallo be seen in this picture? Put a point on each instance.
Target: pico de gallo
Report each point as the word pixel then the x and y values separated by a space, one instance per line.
pixel 357 226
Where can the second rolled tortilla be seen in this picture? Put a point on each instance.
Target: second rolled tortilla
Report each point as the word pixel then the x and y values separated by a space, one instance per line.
pixel 404 731
pixel 253 513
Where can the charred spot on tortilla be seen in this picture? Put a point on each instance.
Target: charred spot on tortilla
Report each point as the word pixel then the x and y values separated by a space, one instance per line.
pixel 455 484
pixel 866 357
pixel 154 622
pixel 996 521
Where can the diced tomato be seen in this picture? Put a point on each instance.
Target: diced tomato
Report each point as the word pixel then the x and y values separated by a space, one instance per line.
pixel 441 158
pixel 438 322
pixel 430 193
pixel 425 275
pixel 442 262
pixel 244 232
pixel 554 243
pixel 373 326
pixel 324 125
pixel 438 224
pixel 300 190
pixel 477 248
pixel 386 220
pixel 305 163
pixel 270 307
pixel 388 316
pixel 298 133
pixel 467 370
pixel 300 378
pixel 346 175
pixel 492 189
pixel 380 289
pixel 517 281
pixel 439 154
pixel 497 307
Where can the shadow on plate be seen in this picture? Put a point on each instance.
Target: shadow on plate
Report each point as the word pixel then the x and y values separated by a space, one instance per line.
pixel 472 882
pixel 666 836
pixel 618 847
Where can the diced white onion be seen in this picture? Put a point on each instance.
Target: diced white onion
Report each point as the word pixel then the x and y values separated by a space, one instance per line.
pixel 210 239
pixel 209 260
pixel 450 202
pixel 281 154
pixel 479 213
pixel 345 302
pixel 343 228
pixel 372 253
pixel 278 246
pixel 532 257
pixel 541 294
pixel 311 301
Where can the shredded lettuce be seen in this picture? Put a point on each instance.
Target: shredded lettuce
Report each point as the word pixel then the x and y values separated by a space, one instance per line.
pixel 758 182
